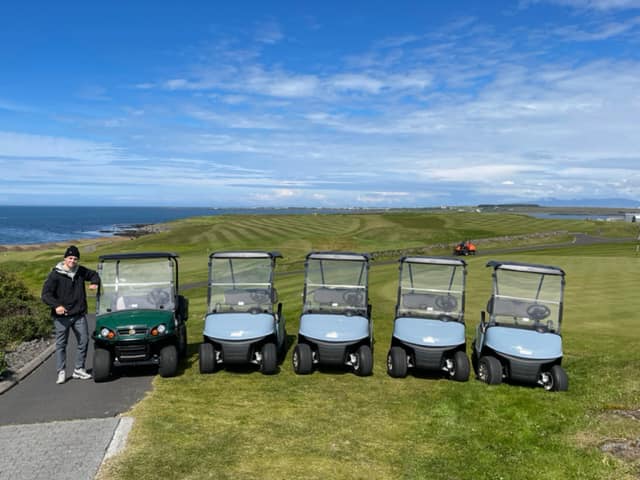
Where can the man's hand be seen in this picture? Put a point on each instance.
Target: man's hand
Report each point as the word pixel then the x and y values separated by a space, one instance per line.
pixel 60 310
pixel 93 286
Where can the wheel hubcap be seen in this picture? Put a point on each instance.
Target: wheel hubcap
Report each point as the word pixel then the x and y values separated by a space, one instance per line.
pixel 482 372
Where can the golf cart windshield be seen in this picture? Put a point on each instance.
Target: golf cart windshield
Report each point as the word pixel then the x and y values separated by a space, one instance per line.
pixel 430 288
pixel 528 298
pixel 336 285
pixel 241 284
pixel 136 283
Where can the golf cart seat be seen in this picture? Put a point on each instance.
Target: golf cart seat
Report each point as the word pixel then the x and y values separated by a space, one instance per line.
pixel 247 297
pixel 129 302
pixel 418 301
pixel 329 296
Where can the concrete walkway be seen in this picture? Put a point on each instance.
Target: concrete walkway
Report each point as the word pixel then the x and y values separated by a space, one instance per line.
pixel 71 450
pixel 59 432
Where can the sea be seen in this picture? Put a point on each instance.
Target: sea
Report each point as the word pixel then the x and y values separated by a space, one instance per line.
pixel 25 225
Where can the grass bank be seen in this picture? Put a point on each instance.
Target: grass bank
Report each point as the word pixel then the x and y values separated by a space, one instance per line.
pixel 241 424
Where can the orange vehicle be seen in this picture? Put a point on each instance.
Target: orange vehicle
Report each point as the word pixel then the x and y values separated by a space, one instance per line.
pixel 465 248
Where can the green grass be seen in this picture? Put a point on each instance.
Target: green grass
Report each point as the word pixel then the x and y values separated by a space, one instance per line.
pixel 241 424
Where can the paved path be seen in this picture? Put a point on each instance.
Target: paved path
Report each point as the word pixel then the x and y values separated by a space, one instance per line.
pixel 37 398
pixel 57 450
pixel 59 432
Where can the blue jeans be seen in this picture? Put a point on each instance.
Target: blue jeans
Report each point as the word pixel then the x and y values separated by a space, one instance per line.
pixel 81 330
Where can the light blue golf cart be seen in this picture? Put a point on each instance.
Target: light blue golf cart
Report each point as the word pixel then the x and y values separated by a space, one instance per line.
pixel 521 342
pixel 335 326
pixel 429 329
pixel 242 324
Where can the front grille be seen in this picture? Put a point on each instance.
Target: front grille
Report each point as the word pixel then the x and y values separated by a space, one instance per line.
pixel 132 352
pixel 132 331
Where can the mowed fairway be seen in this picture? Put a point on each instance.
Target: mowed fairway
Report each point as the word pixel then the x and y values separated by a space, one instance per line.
pixel 333 424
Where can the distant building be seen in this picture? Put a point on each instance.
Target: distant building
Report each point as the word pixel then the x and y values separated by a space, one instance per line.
pixel 632 217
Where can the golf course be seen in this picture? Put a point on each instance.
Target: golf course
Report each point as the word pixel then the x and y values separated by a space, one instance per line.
pixel 239 424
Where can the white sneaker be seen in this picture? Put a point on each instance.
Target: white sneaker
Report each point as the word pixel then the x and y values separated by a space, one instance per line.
pixel 62 377
pixel 81 373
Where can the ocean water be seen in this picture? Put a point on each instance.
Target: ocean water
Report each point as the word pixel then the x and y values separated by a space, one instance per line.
pixel 31 225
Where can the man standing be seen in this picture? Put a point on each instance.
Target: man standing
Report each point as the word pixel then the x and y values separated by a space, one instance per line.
pixel 64 292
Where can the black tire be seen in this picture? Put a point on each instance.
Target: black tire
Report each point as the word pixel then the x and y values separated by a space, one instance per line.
pixel 559 379
pixel 168 361
pixel 282 352
pixel 101 364
pixel 490 370
pixel 461 367
pixel 207 360
pixel 474 357
pixel 182 342
pixel 269 363
pixel 364 363
pixel 302 359
pixel 397 365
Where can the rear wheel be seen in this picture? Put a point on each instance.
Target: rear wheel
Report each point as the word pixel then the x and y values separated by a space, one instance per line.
pixel 461 367
pixel 168 361
pixel 269 363
pixel 474 357
pixel 182 342
pixel 101 364
pixel 302 359
pixel 397 364
pixel 490 370
pixel 559 380
pixel 364 361
pixel 207 358
pixel 282 352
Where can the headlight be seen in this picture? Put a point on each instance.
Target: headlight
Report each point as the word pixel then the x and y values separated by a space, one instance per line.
pixel 106 333
pixel 159 330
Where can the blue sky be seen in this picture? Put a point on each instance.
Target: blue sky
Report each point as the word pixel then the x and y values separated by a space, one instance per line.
pixel 330 104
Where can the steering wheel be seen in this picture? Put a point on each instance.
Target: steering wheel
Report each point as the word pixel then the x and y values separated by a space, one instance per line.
pixel 446 318
pixel 353 299
pixel 446 303
pixel 158 297
pixel 537 311
pixel 255 310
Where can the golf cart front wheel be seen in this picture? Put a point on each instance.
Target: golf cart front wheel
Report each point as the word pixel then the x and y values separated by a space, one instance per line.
pixel 101 364
pixel 269 362
pixel 461 367
pixel 207 359
pixel 168 361
pixel 558 381
pixel 490 370
pixel 302 359
pixel 364 361
pixel 397 364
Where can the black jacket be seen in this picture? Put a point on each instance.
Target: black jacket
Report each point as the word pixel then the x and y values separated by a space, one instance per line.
pixel 61 289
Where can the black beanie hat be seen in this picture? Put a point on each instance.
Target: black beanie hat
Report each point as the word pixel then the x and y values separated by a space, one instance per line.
pixel 72 251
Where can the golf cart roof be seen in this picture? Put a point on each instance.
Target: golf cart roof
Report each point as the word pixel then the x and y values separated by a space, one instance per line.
pixel 338 256
pixel 525 267
pixel 137 256
pixel 435 260
pixel 245 254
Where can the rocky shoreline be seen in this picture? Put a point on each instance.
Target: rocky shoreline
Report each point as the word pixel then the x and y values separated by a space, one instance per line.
pixel 135 230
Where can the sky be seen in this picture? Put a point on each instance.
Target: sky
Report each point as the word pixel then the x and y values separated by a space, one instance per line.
pixel 319 104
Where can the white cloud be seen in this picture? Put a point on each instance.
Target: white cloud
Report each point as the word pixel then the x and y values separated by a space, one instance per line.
pixel 600 5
